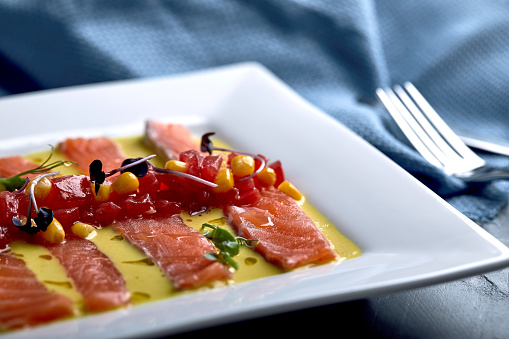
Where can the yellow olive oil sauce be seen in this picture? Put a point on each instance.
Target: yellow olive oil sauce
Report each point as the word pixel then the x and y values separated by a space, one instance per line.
pixel 145 281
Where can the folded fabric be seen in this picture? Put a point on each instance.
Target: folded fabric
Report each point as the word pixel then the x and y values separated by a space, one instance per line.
pixel 334 53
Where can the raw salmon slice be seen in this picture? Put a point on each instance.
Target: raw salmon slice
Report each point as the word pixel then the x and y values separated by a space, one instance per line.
pixel 93 274
pixel 292 239
pixel 177 248
pixel 85 150
pixel 12 165
pixel 288 237
pixel 24 300
pixel 169 140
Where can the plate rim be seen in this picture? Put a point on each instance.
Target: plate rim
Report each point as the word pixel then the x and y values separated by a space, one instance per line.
pixel 240 75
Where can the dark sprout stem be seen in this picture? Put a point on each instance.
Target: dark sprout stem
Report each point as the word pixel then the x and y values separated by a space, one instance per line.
pixel 258 170
pixel 185 175
pixel 97 175
pixel 32 188
pixel 44 215
pixel 42 168
pixel 22 188
pixel 207 146
pixel 129 165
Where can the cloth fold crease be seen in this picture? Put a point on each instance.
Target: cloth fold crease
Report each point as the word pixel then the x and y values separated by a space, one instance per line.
pixel 335 54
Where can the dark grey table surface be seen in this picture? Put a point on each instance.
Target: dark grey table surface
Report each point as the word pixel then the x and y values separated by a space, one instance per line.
pixel 474 307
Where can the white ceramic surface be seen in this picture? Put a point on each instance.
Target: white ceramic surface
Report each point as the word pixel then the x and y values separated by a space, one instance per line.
pixel 409 236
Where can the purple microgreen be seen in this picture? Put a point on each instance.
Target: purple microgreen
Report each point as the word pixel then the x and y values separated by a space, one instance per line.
pixel 22 188
pixel 44 218
pixel 137 166
pixel 44 215
pixel 27 227
pixel 32 187
pixel 97 175
pixel 207 146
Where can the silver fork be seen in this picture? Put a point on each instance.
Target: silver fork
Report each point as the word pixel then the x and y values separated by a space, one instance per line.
pixel 432 137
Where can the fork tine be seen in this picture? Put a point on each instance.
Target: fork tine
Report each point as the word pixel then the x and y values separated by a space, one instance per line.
pixel 395 108
pixel 425 124
pixel 449 135
pixel 427 132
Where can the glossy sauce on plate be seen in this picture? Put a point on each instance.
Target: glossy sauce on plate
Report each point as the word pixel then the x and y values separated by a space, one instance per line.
pixel 144 280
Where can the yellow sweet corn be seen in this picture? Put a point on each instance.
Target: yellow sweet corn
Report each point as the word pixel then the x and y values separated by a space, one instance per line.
pixel 41 189
pixel 267 176
pixel 126 183
pixel 103 194
pixel 224 180
pixel 176 165
pixel 83 230
pixel 54 233
pixel 242 165
pixel 290 190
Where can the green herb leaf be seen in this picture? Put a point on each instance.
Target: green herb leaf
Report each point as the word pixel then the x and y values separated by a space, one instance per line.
pixel 11 184
pixel 17 181
pixel 228 245
pixel 222 257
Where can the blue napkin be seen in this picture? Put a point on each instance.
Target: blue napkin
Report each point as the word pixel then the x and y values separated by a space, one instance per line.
pixel 334 53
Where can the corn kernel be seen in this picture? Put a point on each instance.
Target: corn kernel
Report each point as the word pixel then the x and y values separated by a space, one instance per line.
pixel 243 165
pixel 126 183
pixel 84 230
pixel 290 190
pixel 267 176
pixel 224 180
pixel 176 165
pixel 54 233
pixel 41 189
pixel 103 194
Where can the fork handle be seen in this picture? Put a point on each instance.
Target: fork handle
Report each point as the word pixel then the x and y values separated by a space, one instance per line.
pixel 484 175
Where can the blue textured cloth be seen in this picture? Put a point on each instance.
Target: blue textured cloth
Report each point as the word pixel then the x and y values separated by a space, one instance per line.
pixel 334 53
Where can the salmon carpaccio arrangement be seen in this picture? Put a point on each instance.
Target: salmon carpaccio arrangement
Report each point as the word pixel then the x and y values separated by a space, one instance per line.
pixel 54 263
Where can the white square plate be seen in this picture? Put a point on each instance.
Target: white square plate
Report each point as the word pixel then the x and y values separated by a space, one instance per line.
pixel 409 237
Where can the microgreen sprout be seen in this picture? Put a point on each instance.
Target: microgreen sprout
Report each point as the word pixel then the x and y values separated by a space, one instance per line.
pixel 138 167
pixel 44 215
pixel 228 245
pixel 22 188
pixel 185 175
pixel 207 146
pixel 19 180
